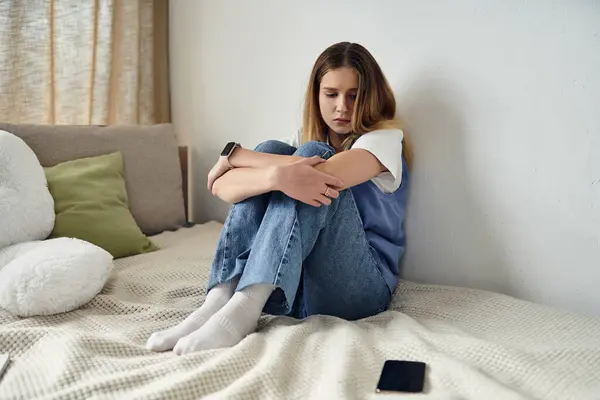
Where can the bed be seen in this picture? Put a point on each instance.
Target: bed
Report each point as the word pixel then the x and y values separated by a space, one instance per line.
pixel 476 344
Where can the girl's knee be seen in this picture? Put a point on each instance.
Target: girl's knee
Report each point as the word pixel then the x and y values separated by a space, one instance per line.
pixel 274 147
pixel 314 148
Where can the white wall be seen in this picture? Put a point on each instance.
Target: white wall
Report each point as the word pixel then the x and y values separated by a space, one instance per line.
pixel 502 101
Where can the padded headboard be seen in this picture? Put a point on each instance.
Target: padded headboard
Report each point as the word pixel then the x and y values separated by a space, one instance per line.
pixel 155 166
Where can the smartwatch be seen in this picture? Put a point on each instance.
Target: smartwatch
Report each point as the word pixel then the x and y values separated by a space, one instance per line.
pixel 228 150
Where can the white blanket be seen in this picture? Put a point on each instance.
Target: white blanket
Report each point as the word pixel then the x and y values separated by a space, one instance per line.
pixel 477 345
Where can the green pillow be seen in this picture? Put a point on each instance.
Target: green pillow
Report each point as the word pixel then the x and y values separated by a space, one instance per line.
pixel 91 204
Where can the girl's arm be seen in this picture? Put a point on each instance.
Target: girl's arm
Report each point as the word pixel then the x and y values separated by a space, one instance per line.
pixel 299 180
pixel 372 153
pixel 244 158
pixel 353 167
pixel 241 183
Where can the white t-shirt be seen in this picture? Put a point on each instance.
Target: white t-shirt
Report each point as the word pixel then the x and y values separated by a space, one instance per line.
pixel 386 145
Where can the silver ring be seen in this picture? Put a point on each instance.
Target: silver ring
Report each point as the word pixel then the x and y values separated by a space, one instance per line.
pixel 326 194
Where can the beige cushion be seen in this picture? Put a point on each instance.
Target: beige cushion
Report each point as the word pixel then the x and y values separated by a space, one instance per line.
pixel 151 163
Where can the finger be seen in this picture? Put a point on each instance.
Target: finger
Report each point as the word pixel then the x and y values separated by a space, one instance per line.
pixel 333 181
pixel 314 203
pixel 323 199
pixel 314 160
pixel 333 193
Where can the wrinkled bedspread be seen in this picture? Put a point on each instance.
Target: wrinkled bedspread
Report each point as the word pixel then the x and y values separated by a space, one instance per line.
pixel 477 344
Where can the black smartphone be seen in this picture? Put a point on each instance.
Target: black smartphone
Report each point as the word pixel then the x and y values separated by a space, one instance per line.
pixel 402 376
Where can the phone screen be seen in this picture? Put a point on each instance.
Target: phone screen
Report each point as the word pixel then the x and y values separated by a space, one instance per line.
pixel 402 376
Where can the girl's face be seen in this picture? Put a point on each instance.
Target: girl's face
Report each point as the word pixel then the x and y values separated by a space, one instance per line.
pixel 337 94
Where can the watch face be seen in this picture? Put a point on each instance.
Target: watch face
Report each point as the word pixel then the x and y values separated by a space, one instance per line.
pixel 227 149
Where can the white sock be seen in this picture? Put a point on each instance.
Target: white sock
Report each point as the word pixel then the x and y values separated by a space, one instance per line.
pixel 216 298
pixel 228 326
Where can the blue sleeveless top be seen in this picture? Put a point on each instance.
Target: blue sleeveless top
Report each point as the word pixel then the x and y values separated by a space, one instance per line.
pixel 383 217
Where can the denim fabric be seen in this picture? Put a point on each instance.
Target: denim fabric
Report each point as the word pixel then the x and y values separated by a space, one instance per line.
pixel 318 258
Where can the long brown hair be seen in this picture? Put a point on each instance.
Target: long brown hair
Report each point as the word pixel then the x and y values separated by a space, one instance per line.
pixel 375 105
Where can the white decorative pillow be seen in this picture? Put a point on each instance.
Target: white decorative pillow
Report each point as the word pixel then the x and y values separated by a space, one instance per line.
pixel 40 277
pixel 52 276
pixel 26 205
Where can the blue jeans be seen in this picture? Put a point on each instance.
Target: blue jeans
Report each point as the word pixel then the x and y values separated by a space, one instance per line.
pixel 318 258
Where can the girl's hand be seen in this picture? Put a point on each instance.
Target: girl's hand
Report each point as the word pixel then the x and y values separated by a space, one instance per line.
pixel 217 171
pixel 300 181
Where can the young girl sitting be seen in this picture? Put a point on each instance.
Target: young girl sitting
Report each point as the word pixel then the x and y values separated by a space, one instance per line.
pixel 316 225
